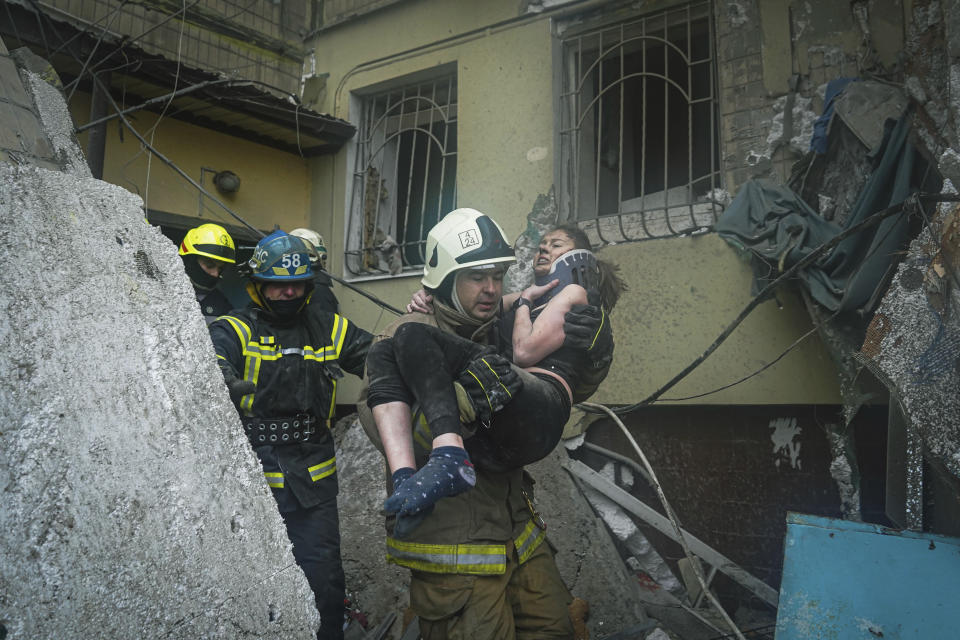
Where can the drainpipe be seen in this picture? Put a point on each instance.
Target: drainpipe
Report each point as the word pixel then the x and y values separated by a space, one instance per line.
pixel 97 138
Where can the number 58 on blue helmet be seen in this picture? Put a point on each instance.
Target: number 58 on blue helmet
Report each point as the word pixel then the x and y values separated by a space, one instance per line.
pixel 280 257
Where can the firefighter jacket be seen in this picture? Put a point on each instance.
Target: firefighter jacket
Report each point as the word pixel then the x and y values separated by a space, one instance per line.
pixel 295 365
pixel 213 304
pixel 474 532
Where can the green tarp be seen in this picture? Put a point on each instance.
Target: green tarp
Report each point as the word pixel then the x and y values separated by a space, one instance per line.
pixel 778 228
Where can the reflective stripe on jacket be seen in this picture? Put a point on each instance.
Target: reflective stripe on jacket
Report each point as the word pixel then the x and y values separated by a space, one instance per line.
pixel 470 559
pixel 470 533
pixel 295 365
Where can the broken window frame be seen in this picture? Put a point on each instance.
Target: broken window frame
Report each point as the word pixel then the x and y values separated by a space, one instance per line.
pixel 687 79
pixel 408 136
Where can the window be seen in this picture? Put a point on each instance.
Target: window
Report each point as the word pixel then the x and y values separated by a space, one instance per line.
pixel 404 176
pixel 639 151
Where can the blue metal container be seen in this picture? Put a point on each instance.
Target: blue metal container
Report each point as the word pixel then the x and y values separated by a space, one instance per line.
pixel 852 580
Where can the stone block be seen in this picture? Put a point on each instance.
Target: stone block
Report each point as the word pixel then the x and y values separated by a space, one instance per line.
pixel 11 87
pixel 32 138
pixel 742 125
pixel 740 43
pixel 744 97
pixel 9 125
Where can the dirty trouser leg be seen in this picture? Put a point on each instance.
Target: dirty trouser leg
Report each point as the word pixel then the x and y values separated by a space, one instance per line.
pixel 540 598
pixel 526 430
pixel 461 607
pixel 315 534
pixel 429 360
pixel 527 601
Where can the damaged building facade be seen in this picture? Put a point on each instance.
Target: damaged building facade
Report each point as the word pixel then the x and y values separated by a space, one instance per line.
pixel 642 122
pixel 650 124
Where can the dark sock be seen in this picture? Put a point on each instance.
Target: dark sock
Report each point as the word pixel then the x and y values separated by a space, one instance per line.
pixel 400 475
pixel 447 473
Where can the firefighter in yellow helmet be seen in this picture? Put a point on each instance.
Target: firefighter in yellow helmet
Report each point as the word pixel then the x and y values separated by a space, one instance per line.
pixel 206 251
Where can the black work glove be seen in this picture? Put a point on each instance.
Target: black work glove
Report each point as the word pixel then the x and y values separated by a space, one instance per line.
pixel 237 387
pixel 489 382
pixel 588 327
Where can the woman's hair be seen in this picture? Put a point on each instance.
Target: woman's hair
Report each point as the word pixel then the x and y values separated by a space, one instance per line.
pixel 611 284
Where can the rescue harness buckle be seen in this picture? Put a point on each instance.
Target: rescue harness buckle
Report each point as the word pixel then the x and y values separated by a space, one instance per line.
pixel 280 431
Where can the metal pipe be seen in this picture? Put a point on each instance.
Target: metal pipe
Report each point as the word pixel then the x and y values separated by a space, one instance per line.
pixel 97 140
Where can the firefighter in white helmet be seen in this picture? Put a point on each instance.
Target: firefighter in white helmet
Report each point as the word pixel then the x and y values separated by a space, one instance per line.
pixel 323 286
pixel 448 501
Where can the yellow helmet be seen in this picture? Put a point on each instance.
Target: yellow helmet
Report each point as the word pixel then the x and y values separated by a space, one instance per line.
pixel 210 241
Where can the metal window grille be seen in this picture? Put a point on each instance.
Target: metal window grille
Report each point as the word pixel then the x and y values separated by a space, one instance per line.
pixel 405 174
pixel 639 130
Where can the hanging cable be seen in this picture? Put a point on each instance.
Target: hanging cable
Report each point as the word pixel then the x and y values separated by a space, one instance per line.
pixel 170 164
pixel 815 254
pixel 196 87
pixel 167 96
pixel 126 43
pixel 242 11
pixel 236 216
pixel 93 52
pixel 694 562
pixel 796 343
pixel 81 32
pixel 121 113
pixel 153 129
pixel 369 296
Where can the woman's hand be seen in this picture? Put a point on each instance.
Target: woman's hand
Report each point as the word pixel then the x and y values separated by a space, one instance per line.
pixel 535 291
pixel 420 302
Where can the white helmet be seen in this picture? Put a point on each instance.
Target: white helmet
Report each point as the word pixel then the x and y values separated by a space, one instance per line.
pixel 463 238
pixel 319 255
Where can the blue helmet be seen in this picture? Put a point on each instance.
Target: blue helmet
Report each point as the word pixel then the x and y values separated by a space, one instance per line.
pixel 281 257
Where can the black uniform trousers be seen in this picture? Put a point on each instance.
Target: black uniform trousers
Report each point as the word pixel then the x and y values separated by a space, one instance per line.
pixel 419 365
pixel 315 534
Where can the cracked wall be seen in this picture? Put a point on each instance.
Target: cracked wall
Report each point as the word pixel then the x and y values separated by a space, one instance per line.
pixel 774 61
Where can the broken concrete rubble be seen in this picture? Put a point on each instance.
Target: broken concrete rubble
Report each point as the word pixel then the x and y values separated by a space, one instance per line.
pixel 133 504
pixel 588 561
pixel 913 340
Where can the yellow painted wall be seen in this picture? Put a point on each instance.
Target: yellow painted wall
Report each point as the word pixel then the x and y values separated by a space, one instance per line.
pixel 274 185
pixel 683 291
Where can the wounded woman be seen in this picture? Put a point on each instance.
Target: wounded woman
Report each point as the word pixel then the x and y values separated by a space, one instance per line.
pixel 513 415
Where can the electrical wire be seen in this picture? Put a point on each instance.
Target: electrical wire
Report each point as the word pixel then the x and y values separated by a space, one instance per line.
pixel 153 151
pixel 242 11
pixel 149 147
pixel 782 355
pixel 796 343
pixel 167 96
pixel 678 530
pixel 201 85
pixel 170 163
pixel 81 32
pixel 93 52
pixel 126 43
pixel 153 130
pixel 12 22
pixel 43 34
pixel 815 254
